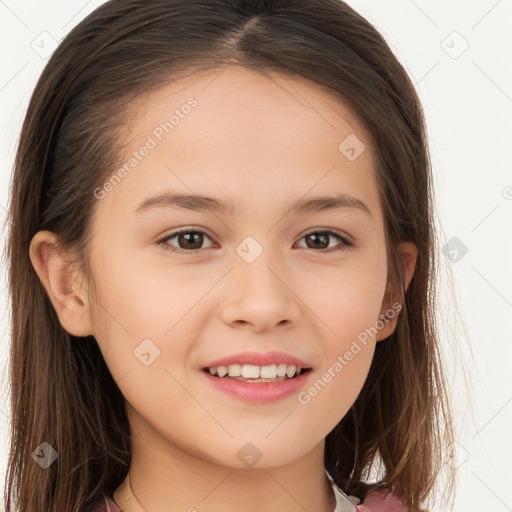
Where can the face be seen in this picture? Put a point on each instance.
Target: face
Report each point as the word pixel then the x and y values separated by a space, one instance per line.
pixel 257 276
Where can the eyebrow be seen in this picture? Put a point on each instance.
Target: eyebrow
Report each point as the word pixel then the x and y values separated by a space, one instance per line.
pixel 200 203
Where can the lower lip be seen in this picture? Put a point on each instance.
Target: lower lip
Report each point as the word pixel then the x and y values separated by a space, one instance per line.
pixel 258 392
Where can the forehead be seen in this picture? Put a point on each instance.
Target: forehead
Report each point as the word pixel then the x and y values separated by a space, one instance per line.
pixel 224 130
pixel 250 97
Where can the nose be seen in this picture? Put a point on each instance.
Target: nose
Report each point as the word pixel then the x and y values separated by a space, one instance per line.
pixel 261 297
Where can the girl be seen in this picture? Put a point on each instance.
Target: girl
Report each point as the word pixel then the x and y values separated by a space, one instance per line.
pixel 222 265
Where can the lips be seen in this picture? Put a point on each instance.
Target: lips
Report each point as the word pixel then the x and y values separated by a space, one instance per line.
pixel 258 393
pixel 259 359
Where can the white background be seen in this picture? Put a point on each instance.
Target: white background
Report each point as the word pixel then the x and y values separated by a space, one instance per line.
pixel 467 97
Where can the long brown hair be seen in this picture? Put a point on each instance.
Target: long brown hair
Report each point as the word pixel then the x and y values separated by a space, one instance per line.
pixel 62 392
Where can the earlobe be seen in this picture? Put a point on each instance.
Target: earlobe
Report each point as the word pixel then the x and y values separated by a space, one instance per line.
pixel 63 285
pixel 389 312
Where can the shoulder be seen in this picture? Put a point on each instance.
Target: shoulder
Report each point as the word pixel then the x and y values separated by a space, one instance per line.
pixel 382 500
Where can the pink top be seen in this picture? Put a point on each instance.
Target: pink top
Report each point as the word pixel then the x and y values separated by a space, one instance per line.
pixel 381 501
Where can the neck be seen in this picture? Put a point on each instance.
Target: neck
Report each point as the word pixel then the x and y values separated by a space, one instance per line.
pixel 164 477
pixel 139 498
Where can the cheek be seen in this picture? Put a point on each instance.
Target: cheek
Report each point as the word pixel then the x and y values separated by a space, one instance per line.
pixel 146 321
pixel 339 380
pixel 347 299
pixel 348 311
pixel 144 297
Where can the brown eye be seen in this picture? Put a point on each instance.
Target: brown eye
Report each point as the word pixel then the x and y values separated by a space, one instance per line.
pixel 320 240
pixel 188 240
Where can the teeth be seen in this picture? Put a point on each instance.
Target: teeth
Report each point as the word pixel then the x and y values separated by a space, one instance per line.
pixel 281 370
pixel 250 371
pixel 221 371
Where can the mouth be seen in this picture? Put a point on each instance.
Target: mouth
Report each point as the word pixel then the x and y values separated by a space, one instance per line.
pixel 258 385
pixel 222 373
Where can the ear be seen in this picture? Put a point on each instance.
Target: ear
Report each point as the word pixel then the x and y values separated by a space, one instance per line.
pixel 63 286
pixel 389 311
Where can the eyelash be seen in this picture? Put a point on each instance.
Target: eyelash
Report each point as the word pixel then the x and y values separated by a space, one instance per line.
pixel 345 245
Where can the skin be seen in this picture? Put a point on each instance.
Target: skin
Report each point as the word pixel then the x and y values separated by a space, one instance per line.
pixel 308 300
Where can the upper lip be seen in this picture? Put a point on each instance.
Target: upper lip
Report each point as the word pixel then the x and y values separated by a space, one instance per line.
pixel 259 359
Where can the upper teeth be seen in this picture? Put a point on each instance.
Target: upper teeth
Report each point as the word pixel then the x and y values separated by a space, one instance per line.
pixel 250 371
